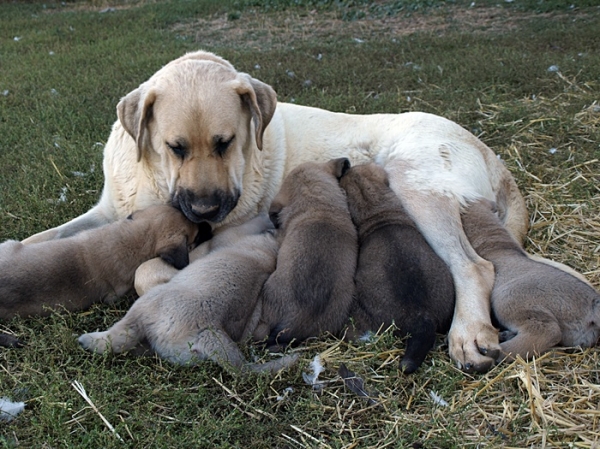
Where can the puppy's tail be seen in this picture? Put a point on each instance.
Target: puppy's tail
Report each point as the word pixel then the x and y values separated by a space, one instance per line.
pixel 273 366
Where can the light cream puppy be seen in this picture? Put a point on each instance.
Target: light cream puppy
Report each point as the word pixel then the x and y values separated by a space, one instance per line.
pixel 215 142
pixel 538 305
pixel 202 313
pixel 92 266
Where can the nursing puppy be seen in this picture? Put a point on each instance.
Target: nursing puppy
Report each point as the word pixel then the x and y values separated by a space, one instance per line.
pixel 205 310
pixel 93 266
pixel 311 290
pixel 399 278
pixel 216 142
pixel 538 305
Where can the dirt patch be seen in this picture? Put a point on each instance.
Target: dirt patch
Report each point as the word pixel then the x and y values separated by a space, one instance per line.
pixel 279 29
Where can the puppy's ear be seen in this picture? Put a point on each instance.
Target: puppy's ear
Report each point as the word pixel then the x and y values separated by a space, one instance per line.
pixel 134 112
pixel 340 166
pixel 176 255
pixel 261 99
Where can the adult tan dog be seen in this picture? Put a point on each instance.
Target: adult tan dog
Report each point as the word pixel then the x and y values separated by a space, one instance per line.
pixel 92 266
pixel 537 304
pixel 204 311
pixel 215 142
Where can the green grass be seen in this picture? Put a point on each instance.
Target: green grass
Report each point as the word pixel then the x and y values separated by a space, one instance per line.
pixel 490 74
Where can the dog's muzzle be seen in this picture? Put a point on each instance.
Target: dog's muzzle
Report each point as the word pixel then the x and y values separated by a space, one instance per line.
pixel 214 207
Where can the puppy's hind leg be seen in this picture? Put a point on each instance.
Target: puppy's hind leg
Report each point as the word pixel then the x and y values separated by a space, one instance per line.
pixel 125 335
pixel 534 336
pixel 420 341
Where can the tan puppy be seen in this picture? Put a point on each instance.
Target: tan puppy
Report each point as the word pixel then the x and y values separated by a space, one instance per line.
pixel 538 305
pixel 204 310
pixel 216 142
pixel 93 266
pixel 311 290
pixel 399 278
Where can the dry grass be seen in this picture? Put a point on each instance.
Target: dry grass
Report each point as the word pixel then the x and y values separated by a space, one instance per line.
pixel 256 30
pixel 551 401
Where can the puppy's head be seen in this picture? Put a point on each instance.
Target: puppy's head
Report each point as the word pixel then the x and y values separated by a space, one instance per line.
pixel 302 182
pixel 367 188
pixel 195 124
pixel 365 180
pixel 174 235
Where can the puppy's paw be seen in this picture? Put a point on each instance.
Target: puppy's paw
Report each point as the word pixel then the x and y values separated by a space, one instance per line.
pixel 474 352
pixel 95 342
pixel 408 366
pixel 9 341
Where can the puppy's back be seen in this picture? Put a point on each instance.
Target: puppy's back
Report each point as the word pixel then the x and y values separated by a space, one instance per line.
pixel 399 278
pixel 311 289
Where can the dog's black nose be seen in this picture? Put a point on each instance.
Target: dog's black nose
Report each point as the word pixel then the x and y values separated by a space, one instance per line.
pixel 213 207
pixel 206 211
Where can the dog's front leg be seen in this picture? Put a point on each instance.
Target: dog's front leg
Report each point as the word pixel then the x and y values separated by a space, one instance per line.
pixel 94 218
pixel 473 341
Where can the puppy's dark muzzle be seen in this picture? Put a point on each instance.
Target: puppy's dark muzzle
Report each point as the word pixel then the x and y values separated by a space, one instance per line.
pixel 214 207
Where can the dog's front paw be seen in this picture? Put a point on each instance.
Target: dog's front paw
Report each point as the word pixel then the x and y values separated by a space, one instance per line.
pixel 474 351
pixel 95 342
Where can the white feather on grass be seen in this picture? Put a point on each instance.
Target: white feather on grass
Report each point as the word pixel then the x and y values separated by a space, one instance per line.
pixel 438 399
pixel 9 410
pixel 317 368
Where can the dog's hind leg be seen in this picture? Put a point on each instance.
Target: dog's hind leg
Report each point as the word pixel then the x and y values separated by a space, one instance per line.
pixel 420 341
pixel 125 335
pixel 473 341
pixel 534 336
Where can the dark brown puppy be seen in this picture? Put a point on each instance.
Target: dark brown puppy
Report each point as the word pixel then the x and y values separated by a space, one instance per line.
pixel 399 278
pixel 93 266
pixel 311 290
pixel 536 303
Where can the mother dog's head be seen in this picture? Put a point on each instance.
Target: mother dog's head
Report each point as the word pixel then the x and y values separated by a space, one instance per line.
pixel 195 124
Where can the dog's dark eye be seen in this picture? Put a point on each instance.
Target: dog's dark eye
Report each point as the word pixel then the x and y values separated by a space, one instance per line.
pixel 178 149
pixel 222 143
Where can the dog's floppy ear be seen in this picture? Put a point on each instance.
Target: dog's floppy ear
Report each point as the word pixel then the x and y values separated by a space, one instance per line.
pixel 340 166
pixel 134 112
pixel 176 255
pixel 261 99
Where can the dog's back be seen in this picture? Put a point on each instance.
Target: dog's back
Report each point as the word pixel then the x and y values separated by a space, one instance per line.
pixel 92 266
pixel 399 278
pixel 537 304
pixel 311 290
